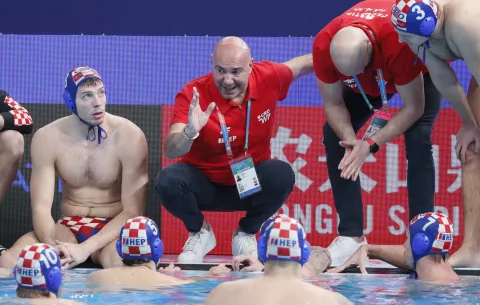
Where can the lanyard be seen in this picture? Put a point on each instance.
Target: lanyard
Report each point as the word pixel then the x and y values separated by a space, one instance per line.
pixel 383 91
pixel 226 139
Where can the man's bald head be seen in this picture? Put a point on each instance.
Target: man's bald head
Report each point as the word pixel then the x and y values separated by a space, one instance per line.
pixel 350 50
pixel 231 49
pixel 232 65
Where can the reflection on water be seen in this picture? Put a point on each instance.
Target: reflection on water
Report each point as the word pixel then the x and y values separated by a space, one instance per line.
pixel 360 289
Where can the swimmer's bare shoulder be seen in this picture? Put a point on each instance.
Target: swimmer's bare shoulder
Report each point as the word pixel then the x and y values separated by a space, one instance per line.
pixel 127 132
pixel 100 275
pixel 47 135
pixel 462 24
pixel 224 294
pixel 327 296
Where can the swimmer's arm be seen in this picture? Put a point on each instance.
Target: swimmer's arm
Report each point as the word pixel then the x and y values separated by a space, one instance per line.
pixel 300 66
pixel 469 50
pixel 220 295
pixel 335 110
pixel 133 156
pixel 176 143
pixel 413 97
pixel 42 186
pixel 318 262
pixel 446 82
pixel 391 254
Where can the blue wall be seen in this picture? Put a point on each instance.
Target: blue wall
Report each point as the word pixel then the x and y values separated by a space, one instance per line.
pixel 139 70
pixel 299 18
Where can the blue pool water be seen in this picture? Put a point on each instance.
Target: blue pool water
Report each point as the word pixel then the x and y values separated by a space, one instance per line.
pixel 360 289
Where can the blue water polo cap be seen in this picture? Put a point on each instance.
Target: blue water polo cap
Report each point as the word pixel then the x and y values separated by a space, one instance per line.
pixel 38 267
pixel 430 233
pixel 283 238
pixel 139 238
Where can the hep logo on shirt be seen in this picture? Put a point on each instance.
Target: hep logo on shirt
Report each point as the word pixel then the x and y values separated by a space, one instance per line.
pixel 231 138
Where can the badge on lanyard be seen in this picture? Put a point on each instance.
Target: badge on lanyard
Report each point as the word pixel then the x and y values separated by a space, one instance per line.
pixel 245 176
pixel 243 168
pixel 380 117
pixel 379 120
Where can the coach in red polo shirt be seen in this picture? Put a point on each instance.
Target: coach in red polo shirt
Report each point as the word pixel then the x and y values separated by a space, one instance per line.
pixel 221 128
pixel 355 56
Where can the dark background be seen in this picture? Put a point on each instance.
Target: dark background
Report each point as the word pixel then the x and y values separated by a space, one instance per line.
pixel 299 18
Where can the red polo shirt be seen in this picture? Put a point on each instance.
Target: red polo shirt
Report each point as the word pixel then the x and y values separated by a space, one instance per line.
pixel 267 84
pixel 394 58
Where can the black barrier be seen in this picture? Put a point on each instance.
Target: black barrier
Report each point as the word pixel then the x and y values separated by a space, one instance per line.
pixel 15 211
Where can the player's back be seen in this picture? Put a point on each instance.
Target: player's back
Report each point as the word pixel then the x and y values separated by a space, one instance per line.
pixel 269 290
pixel 136 276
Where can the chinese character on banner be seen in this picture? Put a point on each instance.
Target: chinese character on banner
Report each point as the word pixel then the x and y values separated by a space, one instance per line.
pixel 366 182
pixel 303 142
pixel 455 167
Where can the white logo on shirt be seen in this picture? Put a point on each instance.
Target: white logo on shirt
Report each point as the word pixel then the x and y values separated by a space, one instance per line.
pixel 350 83
pixel 368 13
pixel 264 117
pixel 231 138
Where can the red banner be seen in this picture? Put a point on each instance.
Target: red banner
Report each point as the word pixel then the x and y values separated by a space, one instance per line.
pixel 297 139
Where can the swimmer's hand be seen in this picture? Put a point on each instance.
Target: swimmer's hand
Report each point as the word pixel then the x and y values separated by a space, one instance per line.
pixel 252 263
pixel 220 269
pixel 65 256
pixel 170 268
pixel 359 258
pixel 6 272
pixel 196 117
pixel 467 135
pixel 78 253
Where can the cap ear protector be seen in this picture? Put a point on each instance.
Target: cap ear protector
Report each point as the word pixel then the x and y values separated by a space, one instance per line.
pixel 420 244
pixel 427 26
pixel 69 101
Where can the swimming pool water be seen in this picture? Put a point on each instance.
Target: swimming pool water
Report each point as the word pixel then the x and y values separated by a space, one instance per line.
pixel 360 289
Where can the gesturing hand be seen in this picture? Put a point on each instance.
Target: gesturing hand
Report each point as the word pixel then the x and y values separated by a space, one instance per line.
pixel 196 117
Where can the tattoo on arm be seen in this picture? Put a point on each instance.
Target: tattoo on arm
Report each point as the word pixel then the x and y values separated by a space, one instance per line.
pixel 320 259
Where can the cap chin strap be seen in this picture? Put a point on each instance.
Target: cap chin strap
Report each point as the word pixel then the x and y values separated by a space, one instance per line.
pixel 425 46
pixel 102 133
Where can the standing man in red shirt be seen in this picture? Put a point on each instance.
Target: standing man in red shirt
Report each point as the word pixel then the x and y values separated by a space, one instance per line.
pixel 221 128
pixel 360 65
pixel 15 121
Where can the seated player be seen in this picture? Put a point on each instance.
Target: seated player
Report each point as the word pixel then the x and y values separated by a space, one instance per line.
pixel 102 161
pixel 15 121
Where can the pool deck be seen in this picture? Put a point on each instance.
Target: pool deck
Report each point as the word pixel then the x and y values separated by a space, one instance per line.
pixel 373 266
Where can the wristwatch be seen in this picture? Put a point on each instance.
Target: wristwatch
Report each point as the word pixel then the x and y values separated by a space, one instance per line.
pixel 373 146
pixel 185 133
